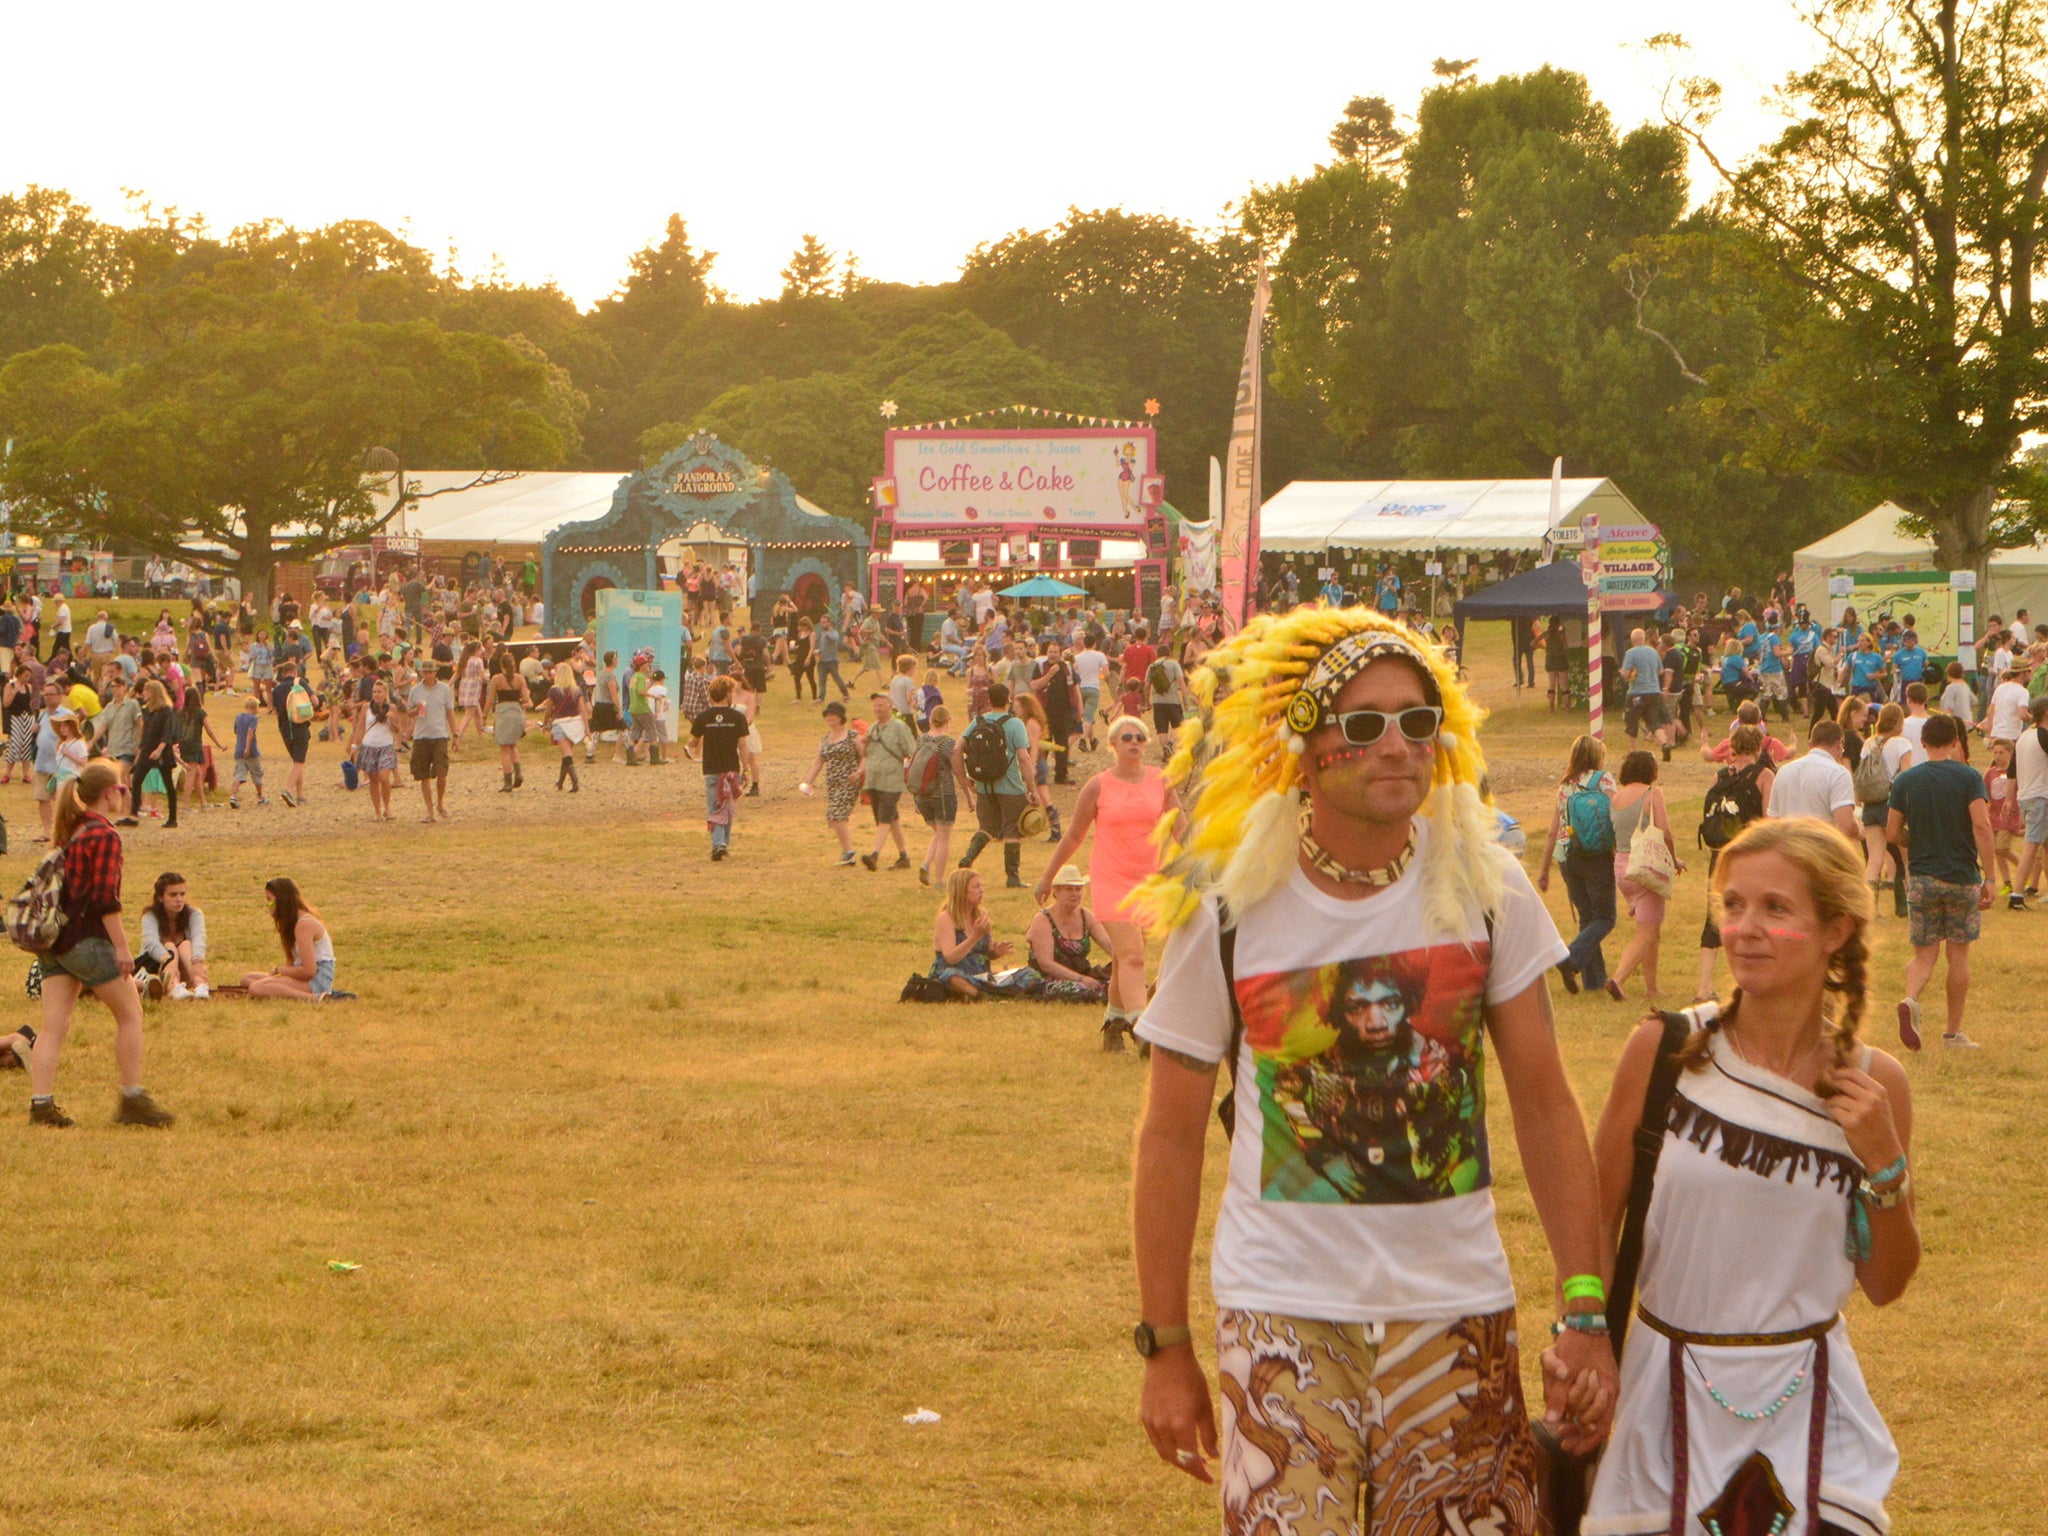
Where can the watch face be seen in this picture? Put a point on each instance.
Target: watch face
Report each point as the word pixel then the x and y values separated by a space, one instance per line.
pixel 1141 1336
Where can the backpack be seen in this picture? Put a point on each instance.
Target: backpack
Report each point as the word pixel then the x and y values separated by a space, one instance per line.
pixel 35 913
pixel 1158 678
pixel 1732 803
pixel 1873 780
pixel 927 768
pixel 985 751
pixel 298 704
pixel 1590 816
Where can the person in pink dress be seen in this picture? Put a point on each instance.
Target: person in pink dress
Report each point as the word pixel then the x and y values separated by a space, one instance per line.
pixel 1123 804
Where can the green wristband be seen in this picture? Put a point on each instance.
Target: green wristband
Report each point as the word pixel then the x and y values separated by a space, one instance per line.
pixel 1585 1288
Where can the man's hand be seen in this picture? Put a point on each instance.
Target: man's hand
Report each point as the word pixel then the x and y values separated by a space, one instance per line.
pixel 1178 1416
pixel 1580 1385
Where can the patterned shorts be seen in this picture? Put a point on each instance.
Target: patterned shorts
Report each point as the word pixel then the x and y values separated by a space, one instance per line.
pixel 1374 1429
pixel 1940 913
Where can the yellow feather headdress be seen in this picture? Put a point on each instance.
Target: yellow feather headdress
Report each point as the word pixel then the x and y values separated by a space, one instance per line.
pixel 1237 764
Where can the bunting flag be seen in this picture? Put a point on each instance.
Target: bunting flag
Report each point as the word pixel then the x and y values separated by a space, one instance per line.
pixel 1045 412
pixel 1237 541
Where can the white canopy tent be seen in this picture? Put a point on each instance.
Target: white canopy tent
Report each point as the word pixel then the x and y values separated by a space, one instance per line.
pixel 1418 516
pixel 2017 578
pixel 522 510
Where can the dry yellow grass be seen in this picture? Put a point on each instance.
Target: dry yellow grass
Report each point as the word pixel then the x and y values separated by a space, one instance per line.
pixel 667 1211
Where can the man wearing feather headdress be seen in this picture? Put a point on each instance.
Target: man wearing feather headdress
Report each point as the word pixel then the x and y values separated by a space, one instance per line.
pixel 1347 934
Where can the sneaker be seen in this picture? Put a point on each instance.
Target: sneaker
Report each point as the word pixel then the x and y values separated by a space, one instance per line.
pixel 287 797
pixel 1909 1022
pixel 2017 903
pixel 234 804
pixel 48 1114
pixel 179 992
pixel 128 821
pixel 141 1109
pixel 924 874
pixel 1014 883
pixel 1962 1040
pixel 870 861
pixel 717 853
pixel 846 859
pixel 902 861
pixel 201 993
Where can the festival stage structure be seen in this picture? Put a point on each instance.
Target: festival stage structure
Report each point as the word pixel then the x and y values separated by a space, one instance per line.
pixel 704 491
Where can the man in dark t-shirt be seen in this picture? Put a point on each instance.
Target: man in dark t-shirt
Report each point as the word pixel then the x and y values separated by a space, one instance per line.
pixel 1939 811
pixel 719 734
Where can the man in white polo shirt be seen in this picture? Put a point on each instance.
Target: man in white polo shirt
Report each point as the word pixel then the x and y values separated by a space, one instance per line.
pixel 1818 784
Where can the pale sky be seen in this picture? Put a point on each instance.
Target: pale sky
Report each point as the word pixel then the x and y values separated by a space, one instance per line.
pixel 554 141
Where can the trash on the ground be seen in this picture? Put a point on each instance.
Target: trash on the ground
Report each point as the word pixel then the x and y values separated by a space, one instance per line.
pixel 922 1416
pixel 342 1266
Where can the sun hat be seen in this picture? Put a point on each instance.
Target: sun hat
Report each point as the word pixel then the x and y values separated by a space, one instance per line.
pixel 1033 822
pixel 1069 874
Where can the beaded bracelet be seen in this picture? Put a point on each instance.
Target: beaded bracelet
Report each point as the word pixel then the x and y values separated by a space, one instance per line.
pixel 1890 1173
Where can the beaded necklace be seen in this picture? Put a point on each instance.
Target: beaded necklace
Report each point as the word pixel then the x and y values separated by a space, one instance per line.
pixel 1385 875
pixel 1776 1406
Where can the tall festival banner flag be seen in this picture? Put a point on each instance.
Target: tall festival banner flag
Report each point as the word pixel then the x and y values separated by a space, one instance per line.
pixel 1237 551
pixel 1589 572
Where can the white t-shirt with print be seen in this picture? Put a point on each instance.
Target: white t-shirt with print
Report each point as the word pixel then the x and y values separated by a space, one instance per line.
pixel 1360 1187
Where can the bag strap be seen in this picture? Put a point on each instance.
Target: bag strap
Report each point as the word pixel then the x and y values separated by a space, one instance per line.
pixel 1226 947
pixel 1649 1143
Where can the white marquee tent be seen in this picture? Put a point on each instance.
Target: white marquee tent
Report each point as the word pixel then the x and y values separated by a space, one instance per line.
pixel 1417 516
pixel 522 510
pixel 2017 578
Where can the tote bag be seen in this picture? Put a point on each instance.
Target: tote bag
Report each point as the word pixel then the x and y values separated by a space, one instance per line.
pixel 1650 863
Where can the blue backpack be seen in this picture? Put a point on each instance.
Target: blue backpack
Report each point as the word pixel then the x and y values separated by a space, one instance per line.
pixel 1591 818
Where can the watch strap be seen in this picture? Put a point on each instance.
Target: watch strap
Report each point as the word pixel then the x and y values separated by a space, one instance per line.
pixel 1167 1338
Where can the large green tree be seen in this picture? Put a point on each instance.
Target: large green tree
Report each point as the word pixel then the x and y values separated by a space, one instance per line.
pixel 1901 219
pixel 238 439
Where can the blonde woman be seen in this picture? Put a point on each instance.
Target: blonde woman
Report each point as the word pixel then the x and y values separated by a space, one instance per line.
pixel 963 942
pixel 1123 804
pixel 1781 1186
pixel 91 951
pixel 568 713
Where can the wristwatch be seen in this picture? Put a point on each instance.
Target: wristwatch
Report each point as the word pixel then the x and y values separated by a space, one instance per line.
pixel 1149 1341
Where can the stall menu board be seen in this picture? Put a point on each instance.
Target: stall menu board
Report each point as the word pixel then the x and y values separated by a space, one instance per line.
pixel 1084 551
pixel 889 586
pixel 1049 554
pixel 992 550
pixel 956 551
pixel 1150 583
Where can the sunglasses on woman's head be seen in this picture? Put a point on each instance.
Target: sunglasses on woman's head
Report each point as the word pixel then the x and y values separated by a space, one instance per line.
pixel 1363 727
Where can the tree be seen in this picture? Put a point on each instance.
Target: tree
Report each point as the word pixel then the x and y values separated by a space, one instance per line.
pixel 1904 208
pixel 241 443
pixel 57 266
pixel 810 269
pixel 1367 132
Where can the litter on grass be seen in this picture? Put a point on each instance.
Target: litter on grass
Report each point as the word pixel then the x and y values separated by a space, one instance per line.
pixel 922 1416
pixel 342 1266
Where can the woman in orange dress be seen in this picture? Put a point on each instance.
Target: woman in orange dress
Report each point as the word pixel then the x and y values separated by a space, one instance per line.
pixel 1124 804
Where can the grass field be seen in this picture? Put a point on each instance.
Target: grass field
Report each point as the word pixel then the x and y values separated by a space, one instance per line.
pixel 667 1211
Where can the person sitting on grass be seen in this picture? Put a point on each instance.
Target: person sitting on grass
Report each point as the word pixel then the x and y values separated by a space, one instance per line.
pixel 308 970
pixel 1060 937
pixel 963 942
pixel 173 960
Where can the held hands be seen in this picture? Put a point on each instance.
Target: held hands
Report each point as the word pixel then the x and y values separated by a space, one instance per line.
pixel 1176 1411
pixel 1863 1109
pixel 1580 1385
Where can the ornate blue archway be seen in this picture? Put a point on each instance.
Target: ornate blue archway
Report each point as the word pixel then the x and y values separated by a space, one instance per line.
pixel 704 481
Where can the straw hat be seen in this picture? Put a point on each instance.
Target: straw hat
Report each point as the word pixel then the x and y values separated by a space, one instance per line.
pixel 1033 822
pixel 1069 874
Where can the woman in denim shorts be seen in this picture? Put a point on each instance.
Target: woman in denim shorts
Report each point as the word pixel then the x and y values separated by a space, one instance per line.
pixel 91 950
pixel 308 970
